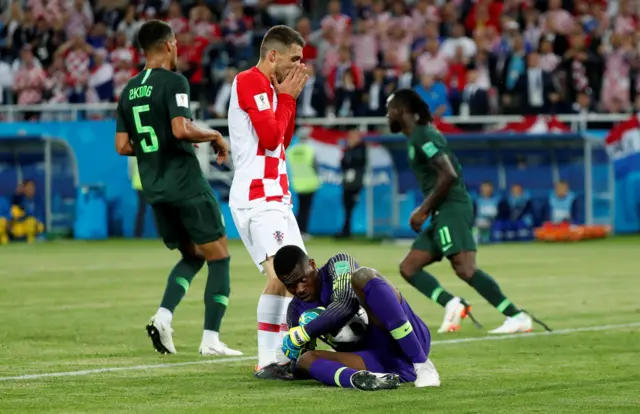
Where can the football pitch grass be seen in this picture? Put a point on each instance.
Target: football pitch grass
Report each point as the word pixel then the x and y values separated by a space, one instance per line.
pixel 72 339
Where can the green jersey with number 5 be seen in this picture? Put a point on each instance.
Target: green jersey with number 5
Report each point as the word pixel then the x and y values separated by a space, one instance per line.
pixel 426 143
pixel 169 169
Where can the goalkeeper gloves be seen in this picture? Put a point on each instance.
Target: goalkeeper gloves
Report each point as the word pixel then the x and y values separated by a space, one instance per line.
pixel 293 342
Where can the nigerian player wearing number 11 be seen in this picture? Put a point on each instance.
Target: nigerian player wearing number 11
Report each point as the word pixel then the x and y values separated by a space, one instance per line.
pixel 449 234
pixel 154 124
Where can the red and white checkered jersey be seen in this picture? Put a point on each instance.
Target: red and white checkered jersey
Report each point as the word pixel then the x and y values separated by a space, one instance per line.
pixel 261 125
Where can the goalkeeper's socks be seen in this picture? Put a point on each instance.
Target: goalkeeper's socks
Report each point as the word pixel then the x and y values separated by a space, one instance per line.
pixel 331 373
pixel 216 294
pixel 336 374
pixel 489 289
pixel 429 286
pixel 271 309
pixel 179 281
pixel 381 298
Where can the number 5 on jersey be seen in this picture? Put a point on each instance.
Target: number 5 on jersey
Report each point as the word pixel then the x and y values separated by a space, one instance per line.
pixel 144 129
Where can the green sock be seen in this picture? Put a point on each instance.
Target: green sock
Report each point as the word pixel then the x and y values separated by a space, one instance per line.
pixel 489 289
pixel 179 281
pixel 216 294
pixel 429 286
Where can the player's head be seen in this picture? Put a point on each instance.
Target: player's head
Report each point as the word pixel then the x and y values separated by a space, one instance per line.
pixel 282 48
pixel 156 38
pixel 405 106
pixel 297 272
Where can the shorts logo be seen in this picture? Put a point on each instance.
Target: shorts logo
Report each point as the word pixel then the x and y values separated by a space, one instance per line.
pixel 279 236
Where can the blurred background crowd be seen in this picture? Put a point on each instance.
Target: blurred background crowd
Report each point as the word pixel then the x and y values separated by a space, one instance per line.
pixel 464 57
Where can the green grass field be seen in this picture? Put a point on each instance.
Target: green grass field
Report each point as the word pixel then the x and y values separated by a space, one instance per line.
pixel 74 306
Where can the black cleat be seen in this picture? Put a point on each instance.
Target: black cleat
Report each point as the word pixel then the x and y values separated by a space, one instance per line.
pixel 275 371
pixel 369 381
pixel 154 334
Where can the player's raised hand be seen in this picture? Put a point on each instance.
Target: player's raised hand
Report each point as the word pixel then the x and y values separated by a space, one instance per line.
pixel 293 82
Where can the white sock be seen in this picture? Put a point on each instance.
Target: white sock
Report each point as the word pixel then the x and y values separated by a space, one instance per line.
pixel 269 338
pixel 164 316
pixel 284 328
pixel 210 337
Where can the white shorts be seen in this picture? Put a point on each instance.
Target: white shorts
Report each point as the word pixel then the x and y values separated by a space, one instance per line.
pixel 265 229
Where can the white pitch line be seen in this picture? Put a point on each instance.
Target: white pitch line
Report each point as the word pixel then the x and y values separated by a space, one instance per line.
pixel 250 358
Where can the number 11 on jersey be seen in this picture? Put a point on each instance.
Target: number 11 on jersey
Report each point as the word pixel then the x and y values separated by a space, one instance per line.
pixel 145 129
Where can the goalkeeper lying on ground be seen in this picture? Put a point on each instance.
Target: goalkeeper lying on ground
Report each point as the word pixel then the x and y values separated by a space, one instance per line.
pixel 395 345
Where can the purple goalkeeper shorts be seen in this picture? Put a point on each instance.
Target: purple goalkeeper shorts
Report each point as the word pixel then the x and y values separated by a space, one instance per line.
pixel 383 354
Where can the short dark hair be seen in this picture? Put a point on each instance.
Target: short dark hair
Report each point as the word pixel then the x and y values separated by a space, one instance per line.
pixel 280 35
pixel 410 100
pixel 153 33
pixel 287 258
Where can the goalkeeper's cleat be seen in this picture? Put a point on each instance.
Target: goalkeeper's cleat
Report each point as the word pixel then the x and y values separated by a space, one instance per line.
pixel 426 375
pixel 275 371
pixel 217 349
pixel 371 381
pixel 520 322
pixel 161 336
pixel 455 310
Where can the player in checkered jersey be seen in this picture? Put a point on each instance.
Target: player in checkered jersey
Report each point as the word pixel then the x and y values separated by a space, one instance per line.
pixel 261 117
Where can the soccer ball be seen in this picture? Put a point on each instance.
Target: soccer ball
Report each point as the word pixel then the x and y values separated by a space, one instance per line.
pixel 352 332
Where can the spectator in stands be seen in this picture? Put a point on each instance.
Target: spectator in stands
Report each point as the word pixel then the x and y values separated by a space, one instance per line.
pixel 25 33
pixel 77 58
pixel 458 39
pixel 353 165
pixel 6 83
pixel 30 80
pixel 26 222
pixel 537 94
pixel 344 83
pixel 365 47
pixel 616 85
pixel 131 23
pixel 456 78
pixel 582 66
pixel 221 103
pixel 431 62
pixel 486 208
pixel 101 78
pixel 376 93
pixel 434 93
pixel 312 101
pixel 79 19
pixel 474 100
pixel 285 11
pixel 335 20
pixel 562 206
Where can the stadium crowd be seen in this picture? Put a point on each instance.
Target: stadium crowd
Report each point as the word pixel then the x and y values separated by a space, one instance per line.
pixel 462 56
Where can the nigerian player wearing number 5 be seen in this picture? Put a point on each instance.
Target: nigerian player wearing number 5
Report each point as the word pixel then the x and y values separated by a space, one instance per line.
pixel 450 233
pixel 154 124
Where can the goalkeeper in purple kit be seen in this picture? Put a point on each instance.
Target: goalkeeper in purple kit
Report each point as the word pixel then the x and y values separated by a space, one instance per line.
pixel 393 349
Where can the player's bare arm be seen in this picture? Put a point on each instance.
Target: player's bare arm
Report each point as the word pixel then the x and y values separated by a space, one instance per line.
pixel 123 144
pixel 447 176
pixel 185 129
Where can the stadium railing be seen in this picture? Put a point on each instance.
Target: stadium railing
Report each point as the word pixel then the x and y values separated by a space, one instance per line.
pixel 575 121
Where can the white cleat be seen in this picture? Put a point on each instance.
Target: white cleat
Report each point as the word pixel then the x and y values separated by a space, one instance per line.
pixel 217 349
pixel 454 312
pixel 426 375
pixel 161 336
pixel 520 322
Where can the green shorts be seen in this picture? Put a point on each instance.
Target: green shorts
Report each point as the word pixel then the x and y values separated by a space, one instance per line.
pixel 198 220
pixel 450 232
